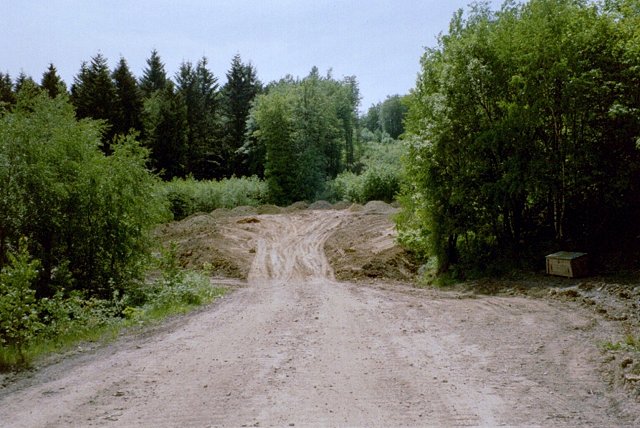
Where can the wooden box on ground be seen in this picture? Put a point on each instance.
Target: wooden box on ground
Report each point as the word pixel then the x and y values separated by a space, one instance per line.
pixel 569 264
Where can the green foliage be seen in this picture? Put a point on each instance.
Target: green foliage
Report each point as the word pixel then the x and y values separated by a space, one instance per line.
pixel 86 215
pixel 522 133
pixel 189 196
pixel 128 103
pixel 630 343
pixel 379 178
pixel 198 87
pixel 165 126
pixel 237 94
pixel 305 129
pixel 52 83
pixel 31 327
pixel 19 321
pixel 93 94
pixel 154 77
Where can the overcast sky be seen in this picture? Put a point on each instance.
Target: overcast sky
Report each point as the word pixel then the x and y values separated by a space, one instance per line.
pixel 380 42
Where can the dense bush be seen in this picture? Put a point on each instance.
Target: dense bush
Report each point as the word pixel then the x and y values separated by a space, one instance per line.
pixel 523 134
pixel 374 184
pixel 188 196
pixel 86 215
pixel 19 314
pixel 379 178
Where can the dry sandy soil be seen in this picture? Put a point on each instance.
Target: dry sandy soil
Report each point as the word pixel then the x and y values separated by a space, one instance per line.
pixel 294 346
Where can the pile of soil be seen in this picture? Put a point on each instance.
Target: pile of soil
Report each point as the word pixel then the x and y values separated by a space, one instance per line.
pixel 321 205
pixel 379 207
pixel 365 247
pixel 360 249
pixel 203 242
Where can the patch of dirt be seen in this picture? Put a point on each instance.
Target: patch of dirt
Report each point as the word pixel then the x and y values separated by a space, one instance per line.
pixel 365 247
pixel 603 297
pixel 218 242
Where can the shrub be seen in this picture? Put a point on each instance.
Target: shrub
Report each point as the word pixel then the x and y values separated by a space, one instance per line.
pixel 19 315
pixel 188 196
pixel 86 215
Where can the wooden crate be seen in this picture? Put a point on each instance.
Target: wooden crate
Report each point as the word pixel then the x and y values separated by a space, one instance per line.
pixel 568 264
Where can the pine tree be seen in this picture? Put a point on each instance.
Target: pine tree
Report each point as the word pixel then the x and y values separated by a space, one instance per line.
pixel 52 83
pixel 241 88
pixel 154 77
pixel 128 111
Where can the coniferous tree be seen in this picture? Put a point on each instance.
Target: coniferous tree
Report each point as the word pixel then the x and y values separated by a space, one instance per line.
pixel 7 96
pixel 199 89
pixel 93 94
pixel 154 77
pixel 128 111
pixel 52 83
pixel 165 125
pixel 22 80
pixel 241 88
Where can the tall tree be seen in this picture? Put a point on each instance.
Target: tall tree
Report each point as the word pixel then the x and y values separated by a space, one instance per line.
pixel 154 77
pixel 7 96
pixel 392 112
pixel 128 104
pixel 199 89
pixel 523 131
pixel 93 94
pixel 52 83
pixel 165 124
pixel 299 124
pixel 241 88
pixel 22 80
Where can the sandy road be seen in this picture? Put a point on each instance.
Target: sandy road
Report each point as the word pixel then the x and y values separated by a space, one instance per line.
pixel 296 348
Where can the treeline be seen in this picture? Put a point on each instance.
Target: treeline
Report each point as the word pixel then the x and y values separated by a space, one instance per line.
pixel 195 127
pixel 523 135
pixel 190 123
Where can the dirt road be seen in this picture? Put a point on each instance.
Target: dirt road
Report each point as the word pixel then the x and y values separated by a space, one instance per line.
pixel 294 347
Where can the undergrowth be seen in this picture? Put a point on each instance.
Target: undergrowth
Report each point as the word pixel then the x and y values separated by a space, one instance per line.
pixel 630 343
pixel 30 329
pixel 189 196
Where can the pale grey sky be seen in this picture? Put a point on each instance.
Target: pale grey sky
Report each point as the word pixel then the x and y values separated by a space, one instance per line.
pixel 378 41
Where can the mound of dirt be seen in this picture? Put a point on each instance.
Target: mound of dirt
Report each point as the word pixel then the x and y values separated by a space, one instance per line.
pixel 297 206
pixel 269 209
pixel 320 205
pixel 365 247
pixel 379 207
pixel 244 210
pixel 341 205
pixel 204 242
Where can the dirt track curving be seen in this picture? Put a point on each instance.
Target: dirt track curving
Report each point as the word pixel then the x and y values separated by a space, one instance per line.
pixel 294 347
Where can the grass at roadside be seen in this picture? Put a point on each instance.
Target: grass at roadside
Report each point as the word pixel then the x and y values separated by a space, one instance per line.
pixel 177 292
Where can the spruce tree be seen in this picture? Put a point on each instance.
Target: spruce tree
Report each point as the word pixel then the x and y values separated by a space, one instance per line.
pixel 199 89
pixel 128 111
pixel 22 80
pixel 52 83
pixel 93 93
pixel 154 77
pixel 7 96
pixel 165 124
pixel 241 88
